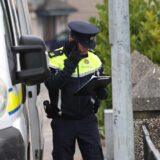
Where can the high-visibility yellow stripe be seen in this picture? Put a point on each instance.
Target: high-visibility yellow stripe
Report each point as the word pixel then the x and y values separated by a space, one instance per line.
pixel 15 100
pixel 86 65
pixel 57 62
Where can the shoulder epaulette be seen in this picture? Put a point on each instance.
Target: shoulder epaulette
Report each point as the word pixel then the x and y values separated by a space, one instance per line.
pixel 55 53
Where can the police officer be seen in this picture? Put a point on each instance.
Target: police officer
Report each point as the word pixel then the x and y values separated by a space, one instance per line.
pixel 73 117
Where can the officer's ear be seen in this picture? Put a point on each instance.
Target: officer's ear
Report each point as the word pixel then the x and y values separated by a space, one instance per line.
pixel 71 38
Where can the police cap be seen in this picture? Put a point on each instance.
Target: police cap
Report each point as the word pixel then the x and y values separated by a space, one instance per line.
pixel 84 33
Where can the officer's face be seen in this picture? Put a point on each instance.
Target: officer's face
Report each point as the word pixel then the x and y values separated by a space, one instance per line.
pixel 82 49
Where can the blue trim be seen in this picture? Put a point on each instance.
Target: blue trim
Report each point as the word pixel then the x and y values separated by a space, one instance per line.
pixel 15 110
pixel 10 89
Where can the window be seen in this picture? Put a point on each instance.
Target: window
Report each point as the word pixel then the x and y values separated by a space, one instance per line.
pixel 9 40
pixel 22 15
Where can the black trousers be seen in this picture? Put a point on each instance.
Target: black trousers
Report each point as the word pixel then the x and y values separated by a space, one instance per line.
pixel 85 131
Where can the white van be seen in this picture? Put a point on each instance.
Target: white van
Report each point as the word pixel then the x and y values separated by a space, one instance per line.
pixel 22 65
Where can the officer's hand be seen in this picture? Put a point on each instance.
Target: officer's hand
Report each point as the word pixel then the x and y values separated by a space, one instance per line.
pixel 48 109
pixel 75 55
pixel 102 93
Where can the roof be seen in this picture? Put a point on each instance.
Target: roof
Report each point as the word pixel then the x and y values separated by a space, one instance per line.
pixel 55 8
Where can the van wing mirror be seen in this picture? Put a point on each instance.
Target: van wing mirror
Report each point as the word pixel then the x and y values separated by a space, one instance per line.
pixel 33 61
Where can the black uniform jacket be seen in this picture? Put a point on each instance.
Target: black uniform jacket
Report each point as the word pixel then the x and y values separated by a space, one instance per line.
pixel 63 83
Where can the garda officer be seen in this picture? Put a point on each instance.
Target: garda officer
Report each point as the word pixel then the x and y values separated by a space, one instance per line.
pixel 73 117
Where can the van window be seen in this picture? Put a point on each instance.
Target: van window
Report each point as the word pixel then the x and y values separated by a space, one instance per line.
pixel 15 21
pixel 8 37
pixel 22 15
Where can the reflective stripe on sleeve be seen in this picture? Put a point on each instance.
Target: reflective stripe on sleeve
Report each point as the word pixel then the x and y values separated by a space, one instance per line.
pixel 59 99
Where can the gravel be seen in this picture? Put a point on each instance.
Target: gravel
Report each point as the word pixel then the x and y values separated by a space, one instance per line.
pixel 153 125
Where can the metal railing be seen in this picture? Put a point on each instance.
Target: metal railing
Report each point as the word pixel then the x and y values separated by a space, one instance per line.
pixel 150 152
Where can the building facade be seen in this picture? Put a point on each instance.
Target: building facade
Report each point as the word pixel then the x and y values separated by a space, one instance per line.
pixel 85 9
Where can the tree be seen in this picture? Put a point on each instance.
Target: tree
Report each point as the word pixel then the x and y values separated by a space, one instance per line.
pixel 145 28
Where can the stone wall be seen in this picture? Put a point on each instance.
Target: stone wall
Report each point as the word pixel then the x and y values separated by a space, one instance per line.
pixel 146 100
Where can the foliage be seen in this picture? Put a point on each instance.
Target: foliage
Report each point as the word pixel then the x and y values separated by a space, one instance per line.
pixel 145 36
pixel 103 51
pixel 145 28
